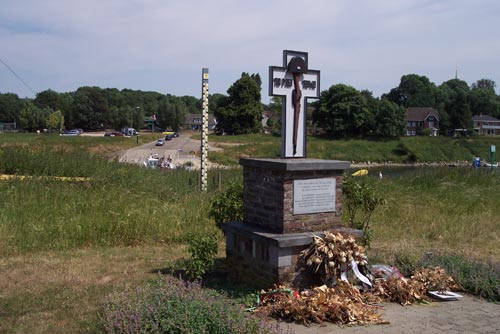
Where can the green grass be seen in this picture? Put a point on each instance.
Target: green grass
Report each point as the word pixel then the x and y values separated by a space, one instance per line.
pixel 453 209
pixel 120 205
pixel 402 150
pixel 88 143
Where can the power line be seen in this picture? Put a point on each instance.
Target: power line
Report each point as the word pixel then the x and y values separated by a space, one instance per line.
pixel 17 76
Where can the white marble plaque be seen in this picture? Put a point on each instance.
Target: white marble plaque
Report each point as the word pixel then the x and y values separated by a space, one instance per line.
pixel 313 196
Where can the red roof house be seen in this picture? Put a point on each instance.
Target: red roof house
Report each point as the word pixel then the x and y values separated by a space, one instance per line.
pixel 418 119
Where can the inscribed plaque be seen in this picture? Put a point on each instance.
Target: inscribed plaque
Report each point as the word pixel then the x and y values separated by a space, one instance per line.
pixel 313 196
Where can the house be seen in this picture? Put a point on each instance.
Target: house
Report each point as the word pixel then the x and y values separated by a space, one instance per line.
pixel 418 119
pixel 486 125
pixel 194 121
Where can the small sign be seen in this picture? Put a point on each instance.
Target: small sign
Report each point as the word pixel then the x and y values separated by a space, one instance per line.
pixel 492 148
pixel 313 196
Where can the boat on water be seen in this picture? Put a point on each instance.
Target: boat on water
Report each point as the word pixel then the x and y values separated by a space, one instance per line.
pixel 361 172
pixel 492 165
pixel 476 162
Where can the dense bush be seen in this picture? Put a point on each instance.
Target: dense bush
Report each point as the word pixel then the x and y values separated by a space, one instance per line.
pixel 174 306
pixel 228 205
pixel 360 201
pixel 203 250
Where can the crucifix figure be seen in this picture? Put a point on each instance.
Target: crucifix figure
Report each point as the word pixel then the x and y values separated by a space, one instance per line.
pixel 295 83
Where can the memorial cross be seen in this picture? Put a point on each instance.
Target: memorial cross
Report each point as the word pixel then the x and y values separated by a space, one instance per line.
pixel 295 83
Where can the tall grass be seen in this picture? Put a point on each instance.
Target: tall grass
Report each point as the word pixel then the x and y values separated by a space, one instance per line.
pixel 453 209
pixel 120 204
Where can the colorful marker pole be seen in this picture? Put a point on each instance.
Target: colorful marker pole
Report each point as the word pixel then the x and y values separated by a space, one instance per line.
pixel 204 130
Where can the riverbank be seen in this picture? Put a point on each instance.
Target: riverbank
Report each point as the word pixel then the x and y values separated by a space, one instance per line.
pixel 404 151
pixel 370 164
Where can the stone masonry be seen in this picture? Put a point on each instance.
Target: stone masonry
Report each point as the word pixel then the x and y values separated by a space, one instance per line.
pixel 268 193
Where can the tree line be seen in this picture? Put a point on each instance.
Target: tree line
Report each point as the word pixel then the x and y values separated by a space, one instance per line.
pixel 341 111
pixel 94 108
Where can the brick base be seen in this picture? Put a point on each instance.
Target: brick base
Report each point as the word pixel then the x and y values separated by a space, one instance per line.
pixel 262 259
pixel 268 193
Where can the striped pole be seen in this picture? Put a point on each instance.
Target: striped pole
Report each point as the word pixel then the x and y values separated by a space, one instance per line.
pixel 204 130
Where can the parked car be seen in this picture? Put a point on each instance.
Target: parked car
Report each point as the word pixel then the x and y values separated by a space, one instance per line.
pixel 169 137
pixel 160 142
pixel 129 132
pixel 176 134
pixel 114 134
pixel 71 133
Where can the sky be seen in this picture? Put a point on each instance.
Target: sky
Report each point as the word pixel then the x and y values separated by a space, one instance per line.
pixel 162 45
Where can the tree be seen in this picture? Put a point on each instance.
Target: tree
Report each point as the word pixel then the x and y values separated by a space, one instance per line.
pixel 55 120
pixel 486 84
pixel 215 101
pixel 242 110
pixel 389 119
pixel 275 110
pixel 343 112
pixel 10 105
pixel 90 109
pixel 459 112
pixel 172 112
pixel 47 99
pixel 193 105
pixel 483 99
pixel 414 91
pixel 31 117
pixel 455 104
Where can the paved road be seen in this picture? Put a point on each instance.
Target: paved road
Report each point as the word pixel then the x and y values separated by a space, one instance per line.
pixel 468 315
pixel 181 149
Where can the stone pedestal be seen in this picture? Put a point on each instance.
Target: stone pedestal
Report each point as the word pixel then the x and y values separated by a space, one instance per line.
pixel 286 202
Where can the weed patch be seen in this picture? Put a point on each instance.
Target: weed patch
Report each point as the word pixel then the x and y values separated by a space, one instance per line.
pixel 174 306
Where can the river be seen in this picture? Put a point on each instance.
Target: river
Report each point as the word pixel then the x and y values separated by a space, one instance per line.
pixel 411 171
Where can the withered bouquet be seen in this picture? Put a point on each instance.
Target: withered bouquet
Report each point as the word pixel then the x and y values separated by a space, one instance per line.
pixel 331 255
pixel 399 290
pixel 436 279
pixel 406 291
pixel 345 304
pixel 342 304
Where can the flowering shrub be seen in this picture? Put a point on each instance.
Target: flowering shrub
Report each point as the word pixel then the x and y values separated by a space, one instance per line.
pixel 174 306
